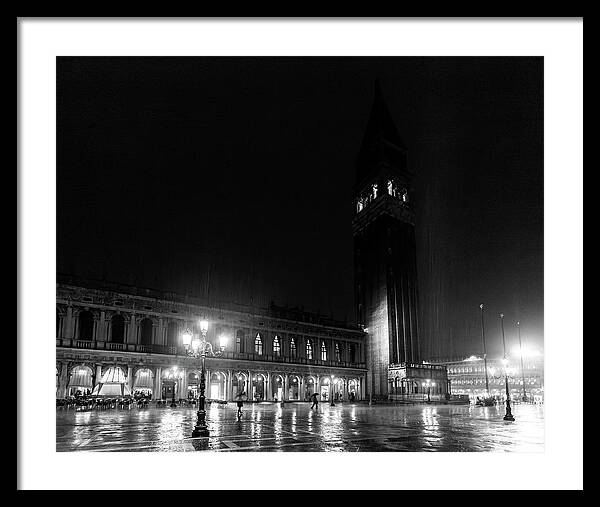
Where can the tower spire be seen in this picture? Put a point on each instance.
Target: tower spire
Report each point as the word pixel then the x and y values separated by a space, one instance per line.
pixel 381 143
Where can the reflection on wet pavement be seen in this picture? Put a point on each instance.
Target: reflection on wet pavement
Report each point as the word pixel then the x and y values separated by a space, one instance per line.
pixel 269 427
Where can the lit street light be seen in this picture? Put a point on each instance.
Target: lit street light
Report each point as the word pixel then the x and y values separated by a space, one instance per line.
pixel 200 347
pixel 428 384
pixel 508 416
pixel 174 375
pixel 522 369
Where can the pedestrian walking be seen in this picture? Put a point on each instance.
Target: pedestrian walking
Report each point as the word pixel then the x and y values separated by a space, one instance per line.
pixel 315 401
pixel 240 403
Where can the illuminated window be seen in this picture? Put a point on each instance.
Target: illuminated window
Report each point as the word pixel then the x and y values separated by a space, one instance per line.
pixel 323 352
pixel 338 354
pixel 405 195
pixel 390 187
pixel 309 349
pixel 258 345
pixel 293 347
pixel 374 189
pixel 276 346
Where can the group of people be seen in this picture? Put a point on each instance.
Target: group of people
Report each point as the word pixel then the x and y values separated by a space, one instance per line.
pixel 314 398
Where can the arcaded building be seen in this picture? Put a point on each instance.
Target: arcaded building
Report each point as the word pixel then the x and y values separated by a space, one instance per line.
pixel 130 339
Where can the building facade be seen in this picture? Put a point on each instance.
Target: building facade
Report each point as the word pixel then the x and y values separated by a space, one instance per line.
pixel 385 261
pixel 467 377
pixel 131 339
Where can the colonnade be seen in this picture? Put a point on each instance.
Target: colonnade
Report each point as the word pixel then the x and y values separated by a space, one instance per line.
pixel 221 383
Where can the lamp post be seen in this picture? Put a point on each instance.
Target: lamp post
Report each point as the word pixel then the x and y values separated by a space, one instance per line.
pixel 508 416
pixel 487 384
pixel 199 347
pixel 522 369
pixel 174 375
pixel 428 385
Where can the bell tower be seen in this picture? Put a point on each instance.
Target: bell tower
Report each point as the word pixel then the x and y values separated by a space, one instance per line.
pixel 385 249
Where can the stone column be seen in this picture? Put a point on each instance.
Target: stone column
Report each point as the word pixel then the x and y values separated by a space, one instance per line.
pixel 68 329
pixel 129 379
pixel 98 377
pixel 157 394
pixel 63 380
pixel 178 386
pixel 101 336
pixel 162 331
pixel 95 327
pixel 250 381
pixel 184 384
pixel 229 395
pixel 318 386
pixel 286 388
pixel 132 333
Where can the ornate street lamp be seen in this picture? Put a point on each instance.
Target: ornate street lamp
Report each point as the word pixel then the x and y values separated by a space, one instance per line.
pixel 174 375
pixel 508 416
pixel 199 347
pixel 522 369
pixel 428 385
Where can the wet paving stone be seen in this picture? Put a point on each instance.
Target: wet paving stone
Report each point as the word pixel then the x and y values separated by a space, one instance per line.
pixel 296 428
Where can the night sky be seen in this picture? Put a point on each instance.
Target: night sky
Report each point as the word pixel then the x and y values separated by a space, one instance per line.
pixel 232 179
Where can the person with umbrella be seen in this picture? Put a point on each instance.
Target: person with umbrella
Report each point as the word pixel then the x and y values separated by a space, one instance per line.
pixel 315 401
pixel 240 403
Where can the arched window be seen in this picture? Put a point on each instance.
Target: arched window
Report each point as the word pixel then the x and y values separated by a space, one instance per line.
pixel 323 351
pixel 309 349
pixel 276 346
pixel 57 323
pixel 86 325
pixel 172 334
pixel 239 341
pixel 338 353
pixel 293 351
pixel 405 195
pixel 352 353
pixel 258 345
pixel 117 324
pixel 146 332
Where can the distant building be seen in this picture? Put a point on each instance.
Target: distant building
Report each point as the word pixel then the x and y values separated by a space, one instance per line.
pixel 467 377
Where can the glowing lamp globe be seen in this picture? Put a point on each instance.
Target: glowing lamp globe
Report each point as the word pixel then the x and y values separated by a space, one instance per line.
pixel 204 326
pixel 187 338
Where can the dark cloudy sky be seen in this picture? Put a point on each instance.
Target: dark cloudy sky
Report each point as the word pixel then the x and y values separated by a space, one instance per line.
pixel 232 178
